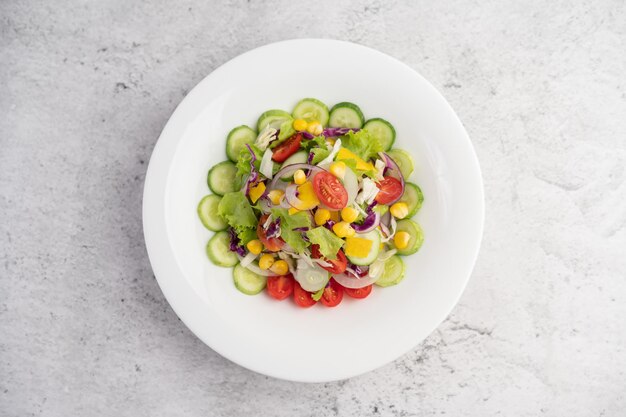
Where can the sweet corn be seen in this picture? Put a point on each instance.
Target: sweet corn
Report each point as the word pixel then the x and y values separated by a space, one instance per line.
pixel 275 196
pixel 321 216
pixel 338 169
pixel 300 124
pixel 293 210
pixel 401 239
pixel 315 128
pixel 280 267
pixel 255 246
pixel 399 210
pixel 299 177
pixel 266 261
pixel 343 229
pixel 349 214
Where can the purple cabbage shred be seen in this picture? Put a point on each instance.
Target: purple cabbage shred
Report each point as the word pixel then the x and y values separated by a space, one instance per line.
pixel 234 243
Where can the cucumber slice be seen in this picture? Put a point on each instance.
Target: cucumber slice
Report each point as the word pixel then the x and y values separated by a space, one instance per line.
pixel 346 115
pixel 207 211
pixel 237 139
pixel 393 272
pixel 247 281
pixel 297 158
pixel 404 161
pixel 413 198
pixel 381 130
pixel 311 109
pixel 272 118
pixel 374 236
pixel 416 233
pixel 221 178
pixel 218 250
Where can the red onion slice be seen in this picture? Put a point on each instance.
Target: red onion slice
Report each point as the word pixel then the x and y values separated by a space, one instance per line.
pixel 288 170
pixel 350 281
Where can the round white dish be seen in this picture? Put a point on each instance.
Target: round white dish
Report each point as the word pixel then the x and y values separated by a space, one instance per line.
pixel 278 338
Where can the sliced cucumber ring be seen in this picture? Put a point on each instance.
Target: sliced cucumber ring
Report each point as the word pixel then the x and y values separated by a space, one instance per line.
pixel 346 115
pixel 237 139
pixel 273 118
pixel 374 236
pixel 221 178
pixel 247 281
pixel 404 161
pixel 413 198
pixel 218 250
pixel 381 130
pixel 416 234
pixel 311 109
pixel 207 211
pixel 393 272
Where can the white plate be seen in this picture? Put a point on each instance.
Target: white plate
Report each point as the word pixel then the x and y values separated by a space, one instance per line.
pixel 278 338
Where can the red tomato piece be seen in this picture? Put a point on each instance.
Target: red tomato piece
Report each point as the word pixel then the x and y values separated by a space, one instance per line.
pixel 280 287
pixel 287 148
pixel 330 191
pixel 272 244
pixel 337 265
pixel 301 297
pixel 358 292
pixel 333 294
pixel 390 190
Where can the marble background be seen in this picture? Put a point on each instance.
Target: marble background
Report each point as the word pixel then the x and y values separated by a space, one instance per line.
pixel 86 87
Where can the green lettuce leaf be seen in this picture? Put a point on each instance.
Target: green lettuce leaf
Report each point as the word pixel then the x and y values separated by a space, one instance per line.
pixel 362 144
pixel 316 142
pixel 243 164
pixel 328 242
pixel 319 154
pixel 318 295
pixel 285 132
pixel 236 209
pixel 288 222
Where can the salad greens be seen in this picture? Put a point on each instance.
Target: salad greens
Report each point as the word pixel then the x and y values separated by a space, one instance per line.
pixel 315 204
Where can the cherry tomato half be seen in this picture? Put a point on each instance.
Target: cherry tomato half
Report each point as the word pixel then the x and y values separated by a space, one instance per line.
pixel 272 244
pixel 333 294
pixel 280 287
pixel 301 297
pixel 330 191
pixel 358 292
pixel 287 148
pixel 337 265
pixel 390 190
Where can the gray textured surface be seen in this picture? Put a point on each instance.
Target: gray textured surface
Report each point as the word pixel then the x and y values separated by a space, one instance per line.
pixel 86 89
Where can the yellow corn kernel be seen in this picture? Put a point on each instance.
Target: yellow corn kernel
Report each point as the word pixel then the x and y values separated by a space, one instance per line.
pixel 275 196
pixel 321 216
pixel 255 246
pixel 266 261
pixel 399 210
pixel 343 229
pixel 299 177
pixel 315 128
pixel 257 191
pixel 338 169
pixel 334 216
pixel 401 240
pixel 300 124
pixel 280 267
pixel 349 214
pixel 293 210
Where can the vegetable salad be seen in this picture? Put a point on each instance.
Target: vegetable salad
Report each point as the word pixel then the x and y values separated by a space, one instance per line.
pixel 313 204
